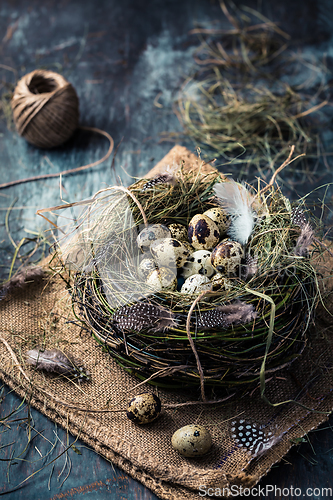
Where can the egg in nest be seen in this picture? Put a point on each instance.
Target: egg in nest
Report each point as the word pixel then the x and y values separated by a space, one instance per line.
pixel 220 217
pixel 227 256
pixel 196 284
pixel 198 263
pixel 146 266
pixel 170 253
pixel 162 278
pixel 151 233
pixel 203 233
pixel 178 231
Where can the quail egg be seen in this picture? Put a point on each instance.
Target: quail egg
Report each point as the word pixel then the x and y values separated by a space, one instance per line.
pixel 226 256
pixel 192 441
pixel 220 282
pixel 170 253
pixel 146 266
pixel 203 233
pixel 220 217
pixel 188 246
pixel 144 408
pixel 162 278
pixel 195 284
pixel 178 231
pixel 198 263
pixel 152 233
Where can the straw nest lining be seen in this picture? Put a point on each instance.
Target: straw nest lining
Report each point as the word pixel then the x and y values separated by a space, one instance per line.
pixel 107 285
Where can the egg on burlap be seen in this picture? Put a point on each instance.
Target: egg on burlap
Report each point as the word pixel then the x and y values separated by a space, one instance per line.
pixel 220 217
pixel 144 408
pixel 178 231
pixel 196 284
pixel 227 256
pixel 192 441
pixel 203 233
pixel 170 253
pixel 152 233
pixel 198 263
pixel 162 278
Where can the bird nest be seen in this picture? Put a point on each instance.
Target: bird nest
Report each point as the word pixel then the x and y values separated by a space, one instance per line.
pixel 251 323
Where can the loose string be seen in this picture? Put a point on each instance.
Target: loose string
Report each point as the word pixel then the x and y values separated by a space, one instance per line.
pixel 71 171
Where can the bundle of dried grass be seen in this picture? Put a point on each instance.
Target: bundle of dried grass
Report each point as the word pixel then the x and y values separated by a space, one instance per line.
pixel 240 108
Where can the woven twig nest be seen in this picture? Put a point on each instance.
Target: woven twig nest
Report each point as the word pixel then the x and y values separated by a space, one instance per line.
pixel 224 336
pixel 45 108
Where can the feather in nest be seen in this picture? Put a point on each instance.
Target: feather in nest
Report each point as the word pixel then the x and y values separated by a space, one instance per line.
pixel 237 201
pixel 223 316
pixel 167 175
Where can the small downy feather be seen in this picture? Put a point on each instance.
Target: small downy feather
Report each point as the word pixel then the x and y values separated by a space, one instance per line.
pixel 55 361
pixel 251 266
pixel 237 201
pixel 21 278
pixel 306 237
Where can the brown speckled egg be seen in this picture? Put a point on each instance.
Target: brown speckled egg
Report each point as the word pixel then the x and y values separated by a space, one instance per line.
pixel 192 441
pixel 146 266
pixel 203 233
pixel 196 284
pixel 226 256
pixel 162 278
pixel 144 408
pixel 178 231
pixel 188 246
pixel 198 263
pixel 220 217
pixel 220 282
pixel 152 233
pixel 169 252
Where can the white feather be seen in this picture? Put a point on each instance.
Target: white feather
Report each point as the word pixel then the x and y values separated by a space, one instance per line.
pixel 237 201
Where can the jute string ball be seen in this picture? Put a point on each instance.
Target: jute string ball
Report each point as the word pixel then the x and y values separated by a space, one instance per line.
pixel 45 108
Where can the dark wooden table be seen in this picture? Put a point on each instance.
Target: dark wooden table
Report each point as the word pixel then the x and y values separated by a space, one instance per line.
pixel 127 61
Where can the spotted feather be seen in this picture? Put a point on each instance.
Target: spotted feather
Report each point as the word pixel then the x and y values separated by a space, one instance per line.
pixel 253 437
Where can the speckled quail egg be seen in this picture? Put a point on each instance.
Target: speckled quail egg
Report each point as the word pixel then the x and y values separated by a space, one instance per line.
pixel 226 256
pixel 220 217
pixel 146 266
pixel 144 408
pixel 198 263
pixel 203 233
pixel 152 233
pixel 192 441
pixel 220 282
pixel 162 278
pixel 178 231
pixel 169 252
pixel 188 246
pixel 195 284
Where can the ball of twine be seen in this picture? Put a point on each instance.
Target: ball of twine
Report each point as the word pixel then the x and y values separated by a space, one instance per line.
pixel 45 108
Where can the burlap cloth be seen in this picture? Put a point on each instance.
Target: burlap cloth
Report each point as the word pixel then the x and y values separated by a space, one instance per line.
pixel 41 313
